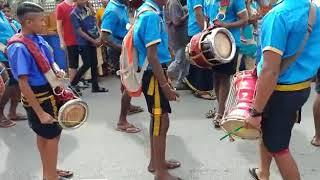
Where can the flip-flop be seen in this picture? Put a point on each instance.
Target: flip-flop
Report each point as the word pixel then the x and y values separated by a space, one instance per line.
pixel 100 90
pixel 64 174
pixel 217 121
pixel 134 110
pixel 211 113
pixel 5 123
pixel 313 142
pixel 253 173
pixel 128 129
pixel 171 164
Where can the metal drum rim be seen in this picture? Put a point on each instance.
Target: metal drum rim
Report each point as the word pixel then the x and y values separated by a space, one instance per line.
pixel 70 102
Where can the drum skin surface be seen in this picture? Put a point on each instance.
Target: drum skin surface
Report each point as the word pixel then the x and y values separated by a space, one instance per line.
pixel 73 114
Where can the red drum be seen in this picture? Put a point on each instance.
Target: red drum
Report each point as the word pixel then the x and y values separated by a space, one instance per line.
pixel 241 96
pixel 211 48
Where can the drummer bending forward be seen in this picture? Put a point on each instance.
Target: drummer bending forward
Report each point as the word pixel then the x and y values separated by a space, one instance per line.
pixel 38 98
pixel 236 16
pixel 280 96
pixel 151 42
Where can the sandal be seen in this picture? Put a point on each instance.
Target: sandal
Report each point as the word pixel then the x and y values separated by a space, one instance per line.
pixel 134 110
pixel 64 174
pixel 217 121
pixel 253 173
pixel 314 142
pixel 99 90
pixel 171 164
pixel 5 123
pixel 129 128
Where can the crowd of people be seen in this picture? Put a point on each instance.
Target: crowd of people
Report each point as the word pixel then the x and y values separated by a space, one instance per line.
pixel 161 31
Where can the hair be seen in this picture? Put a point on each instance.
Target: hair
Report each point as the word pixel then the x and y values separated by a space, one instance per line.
pixel 28 7
pixel 6 6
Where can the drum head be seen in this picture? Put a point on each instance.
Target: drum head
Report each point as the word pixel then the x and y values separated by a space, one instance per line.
pixel 223 44
pixel 73 114
pixel 232 124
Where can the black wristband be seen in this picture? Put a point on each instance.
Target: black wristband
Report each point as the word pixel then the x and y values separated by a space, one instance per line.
pixel 254 113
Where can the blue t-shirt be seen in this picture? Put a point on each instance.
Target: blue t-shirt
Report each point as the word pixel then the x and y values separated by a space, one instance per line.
pixel 115 21
pixel 81 17
pixel 6 33
pixel 283 30
pixel 211 9
pixel 193 26
pixel 150 29
pixel 23 63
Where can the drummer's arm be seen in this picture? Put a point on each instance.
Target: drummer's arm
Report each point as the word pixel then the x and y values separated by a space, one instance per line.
pixel 243 20
pixel 199 16
pixel 107 40
pixel 267 80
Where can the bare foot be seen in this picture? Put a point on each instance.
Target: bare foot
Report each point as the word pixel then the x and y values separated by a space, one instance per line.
pixel 127 128
pixel 316 141
pixel 171 164
pixel 5 123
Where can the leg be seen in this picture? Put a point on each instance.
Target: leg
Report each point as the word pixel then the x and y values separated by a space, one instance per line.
pixel 316 116
pixel 265 162
pixel 223 90
pixel 287 166
pixel 41 143
pixel 85 67
pixel 73 58
pixel 15 99
pixel 4 100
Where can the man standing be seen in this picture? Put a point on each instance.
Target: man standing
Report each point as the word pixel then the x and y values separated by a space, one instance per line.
pixel 151 41
pixel 115 24
pixel 283 89
pixel 176 21
pixel 12 92
pixel 236 16
pixel 67 35
pixel 201 79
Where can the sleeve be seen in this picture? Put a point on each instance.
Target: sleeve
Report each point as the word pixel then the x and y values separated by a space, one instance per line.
pixel 274 34
pixel 197 3
pixel 17 24
pixel 152 29
pixel 19 59
pixel 240 6
pixel 76 22
pixel 109 22
pixel 175 12
pixel 59 11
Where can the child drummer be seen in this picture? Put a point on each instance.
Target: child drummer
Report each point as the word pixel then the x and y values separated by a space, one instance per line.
pixel 38 98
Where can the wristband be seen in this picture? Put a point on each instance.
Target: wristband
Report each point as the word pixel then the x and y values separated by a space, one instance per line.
pixel 254 113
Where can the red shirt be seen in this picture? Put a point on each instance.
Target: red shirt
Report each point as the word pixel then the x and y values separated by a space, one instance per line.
pixel 64 14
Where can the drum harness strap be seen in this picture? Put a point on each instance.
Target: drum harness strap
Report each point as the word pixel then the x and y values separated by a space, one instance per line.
pixel 153 90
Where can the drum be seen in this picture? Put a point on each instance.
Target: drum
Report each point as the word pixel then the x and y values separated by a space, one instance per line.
pixel 211 48
pixel 241 96
pixel 73 112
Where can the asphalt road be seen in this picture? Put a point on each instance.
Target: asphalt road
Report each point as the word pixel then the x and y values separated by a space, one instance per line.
pixel 97 152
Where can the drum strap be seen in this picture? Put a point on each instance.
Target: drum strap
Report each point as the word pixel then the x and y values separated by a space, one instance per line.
pixel 153 90
pixel 286 62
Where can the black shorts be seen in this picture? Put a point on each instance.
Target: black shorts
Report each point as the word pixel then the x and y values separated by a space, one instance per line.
pixel 12 80
pixel 150 99
pixel 281 113
pixel 73 56
pixel 229 68
pixel 47 102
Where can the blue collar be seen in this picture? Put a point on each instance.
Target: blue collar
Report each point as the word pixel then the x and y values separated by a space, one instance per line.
pixel 153 5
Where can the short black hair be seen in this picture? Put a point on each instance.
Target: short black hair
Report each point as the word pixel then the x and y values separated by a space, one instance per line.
pixel 6 6
pixel 28 7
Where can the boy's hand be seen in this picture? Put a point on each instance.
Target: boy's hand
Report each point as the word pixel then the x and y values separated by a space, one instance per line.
pixel 97 42
pixel 46 118
pixel 170 94
pixel 60 73
pixel 62 45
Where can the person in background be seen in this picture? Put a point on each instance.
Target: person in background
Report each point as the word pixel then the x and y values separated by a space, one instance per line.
pixel 176 20
pixel 88 39
pixel 316 114
pixel 9 27
pixel 115 23
pixel 100 12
